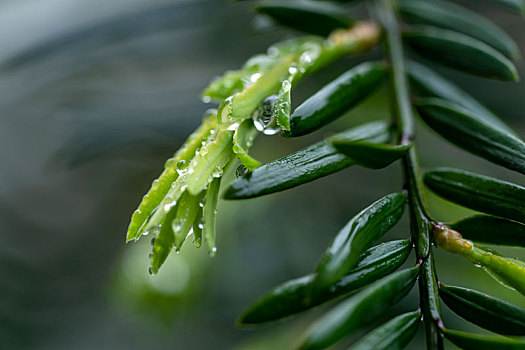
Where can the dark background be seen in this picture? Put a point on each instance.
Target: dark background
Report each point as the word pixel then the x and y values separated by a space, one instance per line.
pixel 94 97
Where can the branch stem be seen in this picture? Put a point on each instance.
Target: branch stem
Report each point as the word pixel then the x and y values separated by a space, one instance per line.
pixel 420 220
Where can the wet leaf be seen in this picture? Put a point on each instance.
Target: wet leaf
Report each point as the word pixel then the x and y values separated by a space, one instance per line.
pixel 186 210
pixel 394 334
pixel 210 161
pixel 359 234
pixel 470 341
pixel 283 104
pixel 460 52
pixel 359 310
pixel 517 6
pixel 428 83
pixel 509 272
pixel 491 230
pixel 336 98
pixel 209 213
pixel 162 185
pixel 371 155
pixel 244 103
pixel 164 242
pixel 263 75
pixel 223 87
pixel 484 310
pixel 306 165
pixel 446 15
pixel 197 229
pixel 478 192
pixel 429 291
pixel 306 16
pixel 242 141
pixel 274 66
pixel 294 296
pixel 462 128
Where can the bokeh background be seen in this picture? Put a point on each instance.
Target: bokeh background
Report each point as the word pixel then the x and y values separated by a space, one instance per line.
pixel 94 97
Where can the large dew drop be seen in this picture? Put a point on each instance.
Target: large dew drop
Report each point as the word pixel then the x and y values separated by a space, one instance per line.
pixel 182 167
pixel 264 117
pixel 241 171
pixel 224 112
pixel 217 172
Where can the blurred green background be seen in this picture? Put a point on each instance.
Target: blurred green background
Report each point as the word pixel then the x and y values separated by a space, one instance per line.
pixel 94 97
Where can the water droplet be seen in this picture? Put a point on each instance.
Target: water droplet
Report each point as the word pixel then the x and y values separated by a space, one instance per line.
pixel 204 151
pixel 213 252
pixel 170 205
pixel 224 112
pixel 233 127
pixel 284 108
pixel 217 172
pixel 177 250
pixel 201 226
pixel 153 241
pixel 206 99
pixel 264 117
pixel 305 58
pixel 182 167
pixel 150 271
pixel 212 131
pixel 292 70
pixel 215 211
pixel 273 51
pixel 311 53
pixel 286 85
pixel 182 164
pixel 177 228
pixel 241 171
pixel 201 203
pixel 254 77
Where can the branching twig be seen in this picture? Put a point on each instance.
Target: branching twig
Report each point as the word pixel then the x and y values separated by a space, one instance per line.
pixel 421 223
